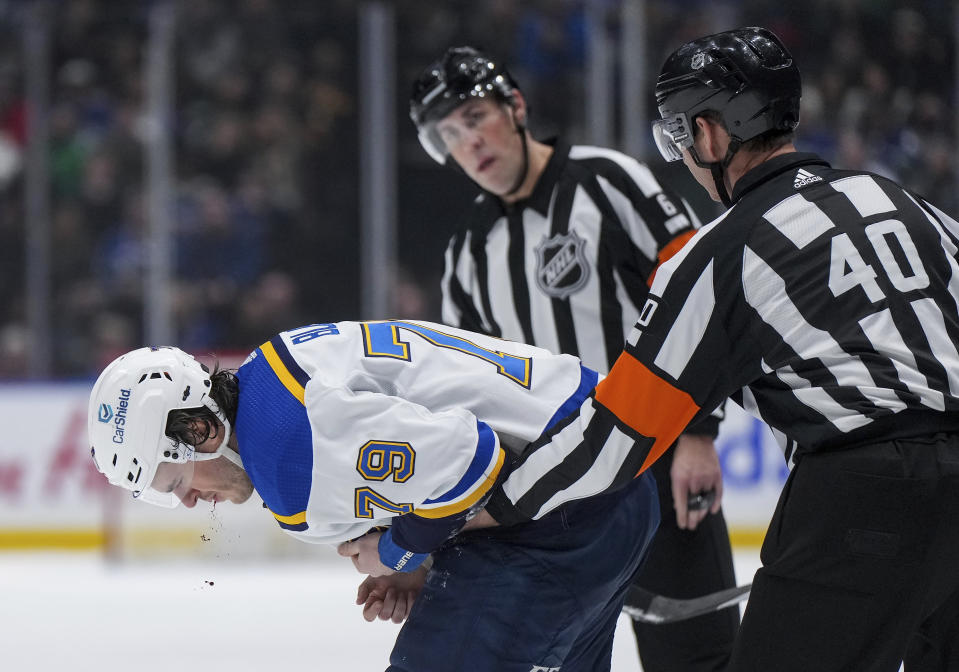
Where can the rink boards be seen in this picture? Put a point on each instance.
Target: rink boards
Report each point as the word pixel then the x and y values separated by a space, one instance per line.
pixel 51 496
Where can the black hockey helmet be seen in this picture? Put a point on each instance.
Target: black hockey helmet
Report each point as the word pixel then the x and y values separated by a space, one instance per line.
pixel 461 74
pixel 745 75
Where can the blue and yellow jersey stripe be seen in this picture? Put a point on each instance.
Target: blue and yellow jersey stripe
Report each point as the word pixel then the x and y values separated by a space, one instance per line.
pixel 278 454
pixel 285 367
pixel 296 522
pixel 587 381
pixel 479 479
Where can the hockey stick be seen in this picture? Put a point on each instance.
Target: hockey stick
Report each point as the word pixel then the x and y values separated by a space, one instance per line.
pixel 646 607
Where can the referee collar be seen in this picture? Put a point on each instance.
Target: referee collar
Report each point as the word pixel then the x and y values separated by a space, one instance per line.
pixel 767 170
pixel 543 191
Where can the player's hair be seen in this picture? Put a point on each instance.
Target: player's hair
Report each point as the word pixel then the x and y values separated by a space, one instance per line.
pixel 193 426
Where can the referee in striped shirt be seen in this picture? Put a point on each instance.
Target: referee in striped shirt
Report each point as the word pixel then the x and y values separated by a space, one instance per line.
pixel 826 302
pixel 557 252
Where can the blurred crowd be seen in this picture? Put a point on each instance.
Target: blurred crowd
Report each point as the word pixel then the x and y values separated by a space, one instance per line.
pixel 266 145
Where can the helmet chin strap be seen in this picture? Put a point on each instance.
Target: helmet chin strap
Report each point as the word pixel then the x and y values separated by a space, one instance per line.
pixel 718 169
pixel 223 450
pixel 521 130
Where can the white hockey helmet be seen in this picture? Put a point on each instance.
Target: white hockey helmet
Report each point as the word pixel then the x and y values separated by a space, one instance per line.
pixel 126 424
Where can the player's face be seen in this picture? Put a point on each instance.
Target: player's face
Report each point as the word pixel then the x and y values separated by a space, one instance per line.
pixel 217 480
pixel 483 138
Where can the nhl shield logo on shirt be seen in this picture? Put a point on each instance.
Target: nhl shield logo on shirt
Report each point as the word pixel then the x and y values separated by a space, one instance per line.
pixel 561 266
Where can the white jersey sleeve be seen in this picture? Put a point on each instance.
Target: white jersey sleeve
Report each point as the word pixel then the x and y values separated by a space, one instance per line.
pixel 378 454
pixel 346 427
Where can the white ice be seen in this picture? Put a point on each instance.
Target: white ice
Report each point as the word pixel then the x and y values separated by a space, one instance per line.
pixel 75 612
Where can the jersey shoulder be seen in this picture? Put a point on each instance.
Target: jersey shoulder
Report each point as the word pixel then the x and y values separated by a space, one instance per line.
pixel 616 167
pixel 485 211
pixel 274 437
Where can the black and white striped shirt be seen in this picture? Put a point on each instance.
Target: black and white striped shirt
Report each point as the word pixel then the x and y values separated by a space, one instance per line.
pixel 567 268
pixel 825 301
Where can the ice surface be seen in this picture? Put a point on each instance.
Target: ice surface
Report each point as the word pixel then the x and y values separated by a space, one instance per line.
pixel 75 612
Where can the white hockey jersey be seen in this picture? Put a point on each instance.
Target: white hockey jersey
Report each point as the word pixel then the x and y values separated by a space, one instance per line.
pixel 348 426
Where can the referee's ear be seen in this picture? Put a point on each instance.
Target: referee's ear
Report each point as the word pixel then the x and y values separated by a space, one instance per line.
pixel 711 140
pixel 520 110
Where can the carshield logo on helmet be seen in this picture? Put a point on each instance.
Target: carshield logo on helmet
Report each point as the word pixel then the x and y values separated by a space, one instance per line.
pixel 120 417
pixel 141 388
pixel 106 413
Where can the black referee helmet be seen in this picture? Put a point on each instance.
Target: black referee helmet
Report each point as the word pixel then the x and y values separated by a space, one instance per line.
pixel 461 74
pixel 746 75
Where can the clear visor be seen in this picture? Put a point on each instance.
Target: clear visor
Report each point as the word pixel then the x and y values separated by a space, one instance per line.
pixel 672 136
pixel 432 142
pixel 172 480
pixel 459 126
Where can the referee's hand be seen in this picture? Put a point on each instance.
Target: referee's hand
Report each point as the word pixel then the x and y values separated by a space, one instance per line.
pixel 696 479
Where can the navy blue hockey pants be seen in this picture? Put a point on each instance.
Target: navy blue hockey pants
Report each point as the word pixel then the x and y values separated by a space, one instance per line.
pixel 544 595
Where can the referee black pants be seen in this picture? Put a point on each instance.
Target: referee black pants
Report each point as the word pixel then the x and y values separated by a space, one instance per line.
pixel 685 564
pixel 860 564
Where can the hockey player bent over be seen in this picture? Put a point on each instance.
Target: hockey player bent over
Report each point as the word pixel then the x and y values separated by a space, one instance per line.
pixel 387 438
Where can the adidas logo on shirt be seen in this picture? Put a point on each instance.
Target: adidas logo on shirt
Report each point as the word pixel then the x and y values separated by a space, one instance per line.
pixel 804 177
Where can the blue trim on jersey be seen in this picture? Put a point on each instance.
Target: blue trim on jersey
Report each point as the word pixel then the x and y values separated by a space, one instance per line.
pixel 301 527
pixel 275 441
pixel 587 382
pixel 382 339
pixel 485 445
pixel 396 557
pixel 284 354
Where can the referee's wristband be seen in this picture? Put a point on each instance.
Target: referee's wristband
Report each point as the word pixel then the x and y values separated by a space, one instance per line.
pixel 397 558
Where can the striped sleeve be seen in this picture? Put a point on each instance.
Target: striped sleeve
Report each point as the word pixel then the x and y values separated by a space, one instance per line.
pixel 948 225
pixel 666 377
pixel 653 217
pixel 832 304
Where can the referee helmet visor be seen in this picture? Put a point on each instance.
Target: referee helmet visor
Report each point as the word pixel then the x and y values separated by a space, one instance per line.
pixel 746 77
pixel 672 135
pixel 461 75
